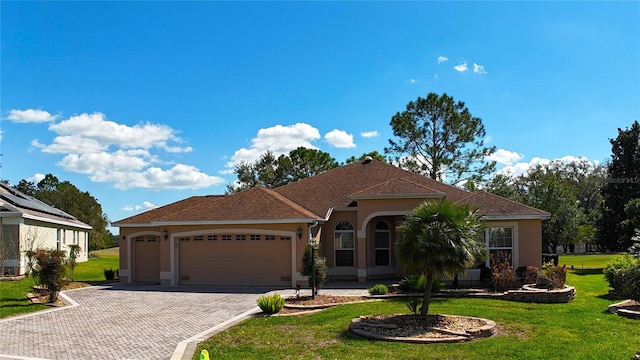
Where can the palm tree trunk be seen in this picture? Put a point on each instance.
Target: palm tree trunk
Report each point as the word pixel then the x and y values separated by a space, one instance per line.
pixel 426 299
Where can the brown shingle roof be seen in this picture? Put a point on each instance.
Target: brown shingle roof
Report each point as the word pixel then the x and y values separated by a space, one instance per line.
pixel 397 186
pixel 256 203
pixel 313 197
pixel 493 205
pixel 332 188
pixel 158 214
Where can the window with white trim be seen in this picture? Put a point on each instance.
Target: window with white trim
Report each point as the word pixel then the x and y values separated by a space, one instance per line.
pixel 212 237
pixel 241 237
pixel 344 244
pixel 226 237
pixel 198 238
pixel 255 237
pixel 269 237
pixel 382 244
pixel 500 243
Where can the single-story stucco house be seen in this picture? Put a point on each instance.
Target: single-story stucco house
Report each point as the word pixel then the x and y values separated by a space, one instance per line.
pixel 258 236
pixel 27 223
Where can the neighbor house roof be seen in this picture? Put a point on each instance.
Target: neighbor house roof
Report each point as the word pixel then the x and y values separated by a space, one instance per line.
pixel 16 203
pixel 314 197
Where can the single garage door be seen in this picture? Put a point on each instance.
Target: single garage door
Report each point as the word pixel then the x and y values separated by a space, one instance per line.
pixel 235 259
pixel 147 259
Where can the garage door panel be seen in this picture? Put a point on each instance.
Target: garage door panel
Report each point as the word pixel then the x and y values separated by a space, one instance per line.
pixel 235 262
pixel 147 260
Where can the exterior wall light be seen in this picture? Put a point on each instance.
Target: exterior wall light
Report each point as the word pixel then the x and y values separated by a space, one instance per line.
pixel 165 234
pixel 299 232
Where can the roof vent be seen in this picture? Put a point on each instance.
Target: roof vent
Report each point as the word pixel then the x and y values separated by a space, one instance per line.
pixel 367 159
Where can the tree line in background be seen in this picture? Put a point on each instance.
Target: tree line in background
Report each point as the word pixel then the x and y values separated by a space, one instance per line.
pixel 436 136
pixel 67 197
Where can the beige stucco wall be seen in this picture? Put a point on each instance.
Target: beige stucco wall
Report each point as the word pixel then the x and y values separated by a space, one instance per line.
pixel 530 241
pixel 26 234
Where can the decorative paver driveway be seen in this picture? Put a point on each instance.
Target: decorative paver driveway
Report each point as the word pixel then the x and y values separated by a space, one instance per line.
pixel 125 322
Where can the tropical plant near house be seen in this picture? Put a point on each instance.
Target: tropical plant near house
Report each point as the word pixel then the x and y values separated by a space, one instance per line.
pixel 438 239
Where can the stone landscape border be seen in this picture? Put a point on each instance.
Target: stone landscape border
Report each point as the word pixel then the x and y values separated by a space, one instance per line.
pixel 527 293
pixel 621 309
pixel 359 326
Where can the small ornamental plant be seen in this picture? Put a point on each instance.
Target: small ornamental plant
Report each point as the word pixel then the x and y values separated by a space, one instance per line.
pixel 556 274
pixel 50 271
pixel 378 289
pixel 270 304
pixel 502 273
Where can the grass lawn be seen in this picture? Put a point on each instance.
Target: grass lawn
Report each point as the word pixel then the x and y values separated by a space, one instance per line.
pixel 590 261
pixel 13 300
pixel 582 329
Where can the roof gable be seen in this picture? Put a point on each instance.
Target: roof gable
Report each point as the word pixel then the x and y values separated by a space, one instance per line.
pixel 333 188
pixel 397 187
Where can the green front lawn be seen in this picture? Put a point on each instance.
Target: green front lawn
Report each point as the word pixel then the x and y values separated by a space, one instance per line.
pixel 13 300
pixel 582 329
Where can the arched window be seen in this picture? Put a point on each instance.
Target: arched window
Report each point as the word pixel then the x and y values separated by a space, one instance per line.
pixel 382 244
pixel 344 244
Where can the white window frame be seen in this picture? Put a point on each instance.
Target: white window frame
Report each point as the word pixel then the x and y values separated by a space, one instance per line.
pixel 345 228
pixel 386 231
pixel 514 241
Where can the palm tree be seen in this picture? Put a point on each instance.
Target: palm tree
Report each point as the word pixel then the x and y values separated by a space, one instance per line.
pixel 439 239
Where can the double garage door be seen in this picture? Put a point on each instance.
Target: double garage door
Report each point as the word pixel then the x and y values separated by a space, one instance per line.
pixel 234 259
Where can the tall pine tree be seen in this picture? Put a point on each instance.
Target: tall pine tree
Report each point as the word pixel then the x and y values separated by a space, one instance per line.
pixel 622 187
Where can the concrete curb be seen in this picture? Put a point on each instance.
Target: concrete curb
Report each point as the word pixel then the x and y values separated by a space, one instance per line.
pixel 186 348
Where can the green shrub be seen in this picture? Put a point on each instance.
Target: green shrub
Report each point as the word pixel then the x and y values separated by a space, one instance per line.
pixel 50 271
pixel 271 304
pixel 556 274
pixel 109 274
pixel 615 271
pixel 415 305
pixel 631 289
pixel 378 289
pixel 320 267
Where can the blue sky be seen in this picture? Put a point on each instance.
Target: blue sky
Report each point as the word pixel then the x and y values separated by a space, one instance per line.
pixel 145 103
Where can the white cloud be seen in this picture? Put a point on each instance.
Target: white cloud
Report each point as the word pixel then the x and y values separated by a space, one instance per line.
pixel 278 139
pixel 478 69
pixel 144 207
pixel 435 76
pixel 504 157
pixel 369 134
pixel 36 178
pixel 462 67
pixel 442 59
pixel 340 139
pixel 523 168
pixel 413 81
pixel 124 155
pixel 31 116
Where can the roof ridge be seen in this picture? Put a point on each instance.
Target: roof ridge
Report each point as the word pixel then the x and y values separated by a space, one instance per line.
pixel 288 202
pixel 396 179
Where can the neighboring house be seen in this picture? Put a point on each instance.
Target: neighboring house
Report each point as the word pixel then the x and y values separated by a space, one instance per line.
pixel 27 223
pixel 257 236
